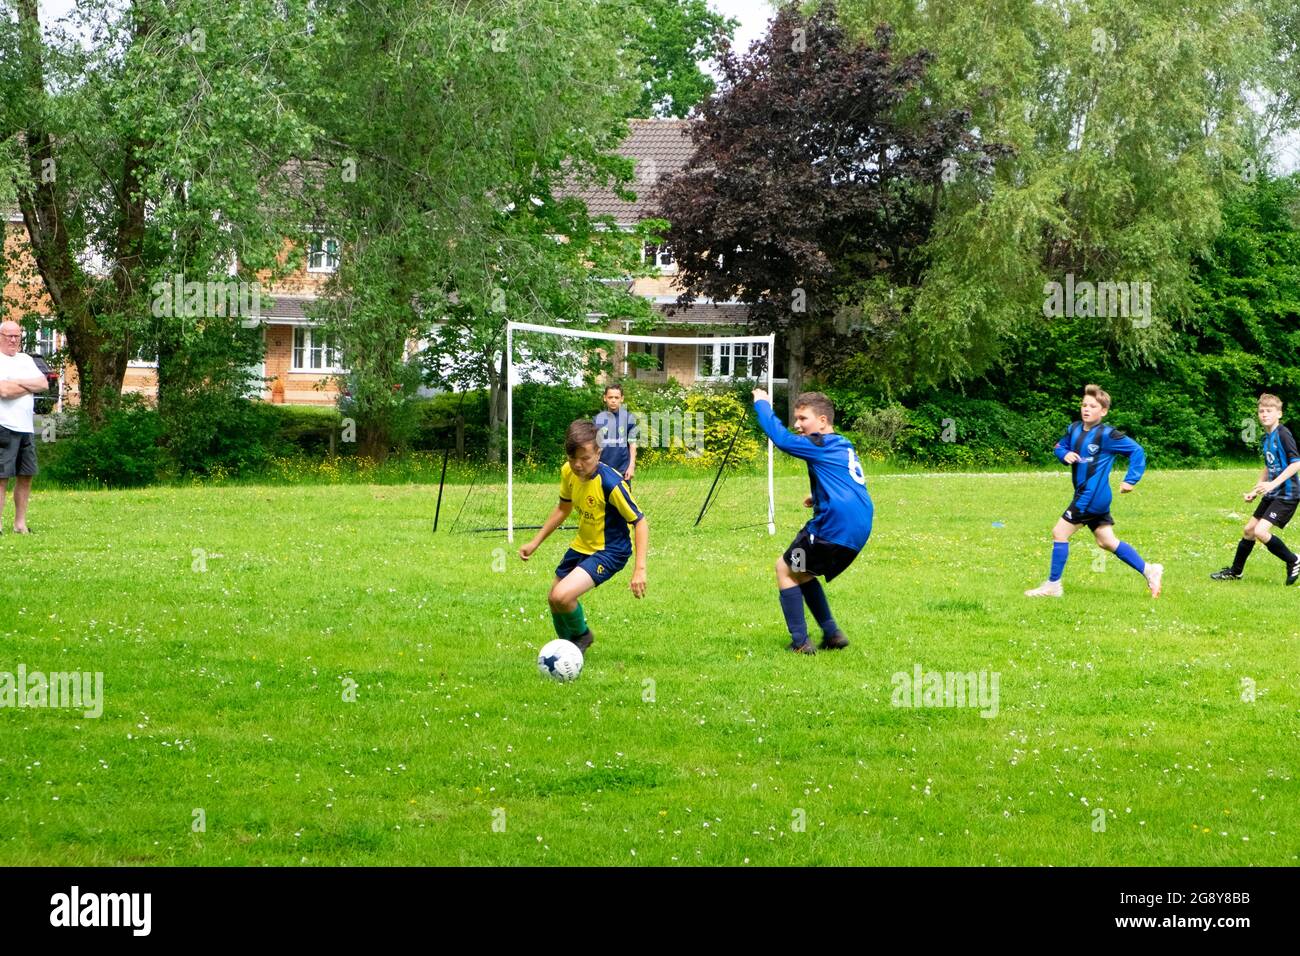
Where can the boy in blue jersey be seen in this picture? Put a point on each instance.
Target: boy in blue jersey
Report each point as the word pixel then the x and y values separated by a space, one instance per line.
pixel 1089 448
pixel 1278 490
pixel 617 429
pixel 842 513
pixel 603 544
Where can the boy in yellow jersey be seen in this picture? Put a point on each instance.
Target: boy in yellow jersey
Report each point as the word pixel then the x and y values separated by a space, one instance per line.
pixel 606 512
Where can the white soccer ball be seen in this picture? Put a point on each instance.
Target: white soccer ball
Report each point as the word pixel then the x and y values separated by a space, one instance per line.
pixel 560 660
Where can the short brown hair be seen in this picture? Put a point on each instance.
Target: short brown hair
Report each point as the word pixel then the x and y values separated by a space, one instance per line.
pixel 1268 399
pixel 581 432
pixel 1096 392
pixel 819 403
pixel 613 385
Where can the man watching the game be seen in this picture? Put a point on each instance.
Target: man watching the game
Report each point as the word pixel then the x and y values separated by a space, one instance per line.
pixel 617 428
pixel 20 379
pixel 1278 490
pixel 841 521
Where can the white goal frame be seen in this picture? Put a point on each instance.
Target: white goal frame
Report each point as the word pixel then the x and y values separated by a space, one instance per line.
pixel 512 327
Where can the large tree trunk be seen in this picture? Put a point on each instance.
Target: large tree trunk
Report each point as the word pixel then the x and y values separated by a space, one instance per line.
pixel 374 443
pixel 794 364
pixel 100 369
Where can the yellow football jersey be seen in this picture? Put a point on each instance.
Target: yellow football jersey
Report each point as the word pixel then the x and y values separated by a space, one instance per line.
pixel 605 507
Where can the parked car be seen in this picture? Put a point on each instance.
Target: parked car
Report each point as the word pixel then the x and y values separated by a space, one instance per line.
pixel 44 402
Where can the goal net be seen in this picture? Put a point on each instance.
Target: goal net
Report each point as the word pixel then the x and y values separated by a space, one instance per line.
pixel 699 462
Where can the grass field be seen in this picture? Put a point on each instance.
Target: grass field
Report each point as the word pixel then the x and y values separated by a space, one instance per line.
pixel 226 622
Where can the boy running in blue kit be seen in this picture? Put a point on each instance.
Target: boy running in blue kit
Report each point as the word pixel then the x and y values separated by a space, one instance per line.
pixel 842 515
pixel 1089 448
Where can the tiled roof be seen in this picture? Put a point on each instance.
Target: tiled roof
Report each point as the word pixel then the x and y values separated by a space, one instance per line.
pixel 704 313
pixel 660 148
pixel 287 307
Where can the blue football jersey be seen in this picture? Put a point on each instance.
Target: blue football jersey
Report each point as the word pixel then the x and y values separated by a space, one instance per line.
pixel 842 509
pixel 1279 450
pixel 1097 448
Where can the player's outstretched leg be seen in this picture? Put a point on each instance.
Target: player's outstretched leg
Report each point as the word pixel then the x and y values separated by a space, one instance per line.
pixel 566 608
pixel 1235 570
pixel 1060 554
pixel 1154 573
pixel 1264 535
pixel 791 595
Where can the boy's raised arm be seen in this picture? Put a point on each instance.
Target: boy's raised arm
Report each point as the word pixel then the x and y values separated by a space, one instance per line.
pixel 782 437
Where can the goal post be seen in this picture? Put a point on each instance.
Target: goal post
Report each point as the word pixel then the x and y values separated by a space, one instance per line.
pixel 769 341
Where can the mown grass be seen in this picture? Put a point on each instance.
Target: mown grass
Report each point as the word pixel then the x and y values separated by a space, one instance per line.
pixel 227 621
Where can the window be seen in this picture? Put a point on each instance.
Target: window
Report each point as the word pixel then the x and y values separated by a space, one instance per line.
pixel 658 349
pixel 146 356
pixel 41 341
pixel 314 351
pixel 736 360
pixel 322 254
pixel 658 255
pixel 726 360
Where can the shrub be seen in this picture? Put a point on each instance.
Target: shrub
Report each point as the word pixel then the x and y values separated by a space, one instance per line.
pixel 124 452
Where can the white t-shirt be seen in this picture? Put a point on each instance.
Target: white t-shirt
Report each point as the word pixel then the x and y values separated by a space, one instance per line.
pixel 16 413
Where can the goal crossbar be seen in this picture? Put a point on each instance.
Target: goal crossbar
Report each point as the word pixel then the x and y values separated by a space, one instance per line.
pixel 513 327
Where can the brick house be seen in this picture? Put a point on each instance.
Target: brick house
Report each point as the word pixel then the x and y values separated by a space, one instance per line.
pixel 660 148
pixel 299 363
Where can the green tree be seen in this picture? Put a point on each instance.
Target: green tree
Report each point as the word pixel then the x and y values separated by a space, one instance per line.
pixel 444 138
pixel 670 40
pixel 1130 122
pixel 149 136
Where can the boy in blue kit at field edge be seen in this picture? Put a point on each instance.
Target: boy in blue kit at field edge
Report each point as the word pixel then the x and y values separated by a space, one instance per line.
pixel 1278 491
pixel 841 521
pixel 1089 448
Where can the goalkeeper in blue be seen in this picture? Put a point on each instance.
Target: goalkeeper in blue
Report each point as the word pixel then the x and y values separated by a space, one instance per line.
pixel 841 521
pixel 1089 448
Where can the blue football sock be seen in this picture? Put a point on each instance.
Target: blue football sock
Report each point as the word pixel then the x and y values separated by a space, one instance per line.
pixel 1060 551
pixel 792 608
pixel 1126 553
pixel 820 607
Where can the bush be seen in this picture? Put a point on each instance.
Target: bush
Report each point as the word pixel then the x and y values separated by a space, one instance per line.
pixel 124 452
pixel 307 429
pixel 221 434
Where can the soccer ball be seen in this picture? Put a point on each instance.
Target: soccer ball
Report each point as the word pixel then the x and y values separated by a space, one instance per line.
pixel 560 660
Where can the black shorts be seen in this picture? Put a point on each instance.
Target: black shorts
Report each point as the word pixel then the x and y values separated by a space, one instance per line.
pixel 1275 511
pixel 819 558
pixel 1093 519
pixel 17 453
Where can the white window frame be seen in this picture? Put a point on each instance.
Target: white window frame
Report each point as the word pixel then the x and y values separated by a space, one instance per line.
pixel 668 267
pixel 318 246
pixel 327 352
pixel 660 352
pixel 33 343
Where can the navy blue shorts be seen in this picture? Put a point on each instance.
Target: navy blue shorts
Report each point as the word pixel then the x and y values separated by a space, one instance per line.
pixel 1093 519
pixel 602 565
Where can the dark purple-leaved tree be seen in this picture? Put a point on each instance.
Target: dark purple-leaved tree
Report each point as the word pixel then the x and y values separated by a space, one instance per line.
pixel 818 172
